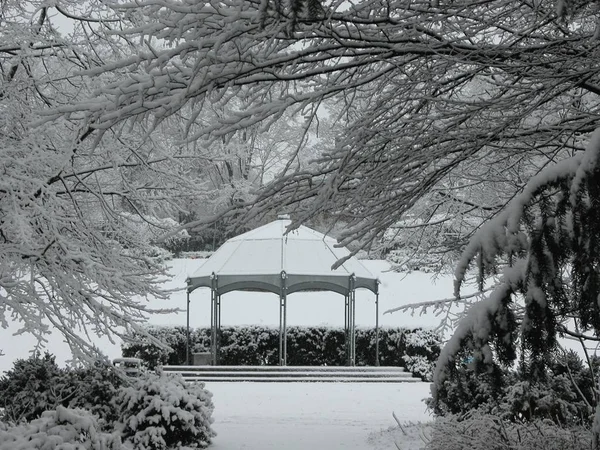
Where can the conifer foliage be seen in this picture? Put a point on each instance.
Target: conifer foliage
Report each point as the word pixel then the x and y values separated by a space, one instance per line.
pixel 162 412
pixel 546 246
pixel 46 407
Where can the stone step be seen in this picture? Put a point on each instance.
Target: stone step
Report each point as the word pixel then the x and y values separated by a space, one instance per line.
pixel 292 373
pixel 277 374
pixel 365 369
pixel 304 379
pixel 289 375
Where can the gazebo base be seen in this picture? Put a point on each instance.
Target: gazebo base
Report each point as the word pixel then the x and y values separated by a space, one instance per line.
pixel 362 374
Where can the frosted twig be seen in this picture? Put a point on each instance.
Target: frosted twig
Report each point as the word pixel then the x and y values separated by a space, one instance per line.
pixel 426 438
pixel 573 383
pixel 435 303
pixel 399 424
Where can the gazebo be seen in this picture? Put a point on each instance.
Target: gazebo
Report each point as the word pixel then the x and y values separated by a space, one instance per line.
pixel 270 259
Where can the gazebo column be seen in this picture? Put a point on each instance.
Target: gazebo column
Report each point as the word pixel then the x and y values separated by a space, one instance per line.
pixel 350 321
pixel 353 321
pixel 212 319
pixel 215 319
pixel 346 329
pixel 283 321
pixel 187 331
pixel 377 327
pixel 218 334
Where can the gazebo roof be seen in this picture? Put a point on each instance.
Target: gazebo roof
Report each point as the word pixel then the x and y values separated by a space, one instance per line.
pixel 257 259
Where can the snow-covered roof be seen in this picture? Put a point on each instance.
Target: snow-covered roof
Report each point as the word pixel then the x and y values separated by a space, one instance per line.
pixel 256 260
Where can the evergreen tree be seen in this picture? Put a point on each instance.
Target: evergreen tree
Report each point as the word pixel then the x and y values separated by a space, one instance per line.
pixel 545 244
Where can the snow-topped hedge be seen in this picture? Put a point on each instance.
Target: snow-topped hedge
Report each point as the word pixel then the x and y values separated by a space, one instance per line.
pixel 415 349
pixel 59 429
pixel 162 412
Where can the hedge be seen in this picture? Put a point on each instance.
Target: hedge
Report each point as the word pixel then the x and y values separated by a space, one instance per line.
pixel 416 349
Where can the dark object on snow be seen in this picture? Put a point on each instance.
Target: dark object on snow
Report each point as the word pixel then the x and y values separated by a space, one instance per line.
pixel 131 366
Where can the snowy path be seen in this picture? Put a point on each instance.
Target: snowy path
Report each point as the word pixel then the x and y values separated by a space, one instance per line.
pixel 311 416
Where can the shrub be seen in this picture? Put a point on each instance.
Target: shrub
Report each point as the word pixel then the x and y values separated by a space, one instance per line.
pixel 94 389
pixel 419 366
pixel 564 394
pixel 60 429
pixel 421 350
pixel 335 349
pixel 490 432
pixel 31 387
pixel 305 347
pixel 152 356
pixel 161 412
pixel 37 384
pixel 469 389
pixel 239 346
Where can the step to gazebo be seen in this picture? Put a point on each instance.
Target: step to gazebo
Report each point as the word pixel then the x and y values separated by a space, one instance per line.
pixel 293 374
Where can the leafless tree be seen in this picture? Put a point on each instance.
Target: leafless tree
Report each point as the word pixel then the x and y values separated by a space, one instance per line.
pixel 428 94
pixel 444 109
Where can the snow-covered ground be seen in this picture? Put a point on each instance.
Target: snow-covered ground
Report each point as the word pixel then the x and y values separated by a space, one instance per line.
pixel 318 416
pixel 247 308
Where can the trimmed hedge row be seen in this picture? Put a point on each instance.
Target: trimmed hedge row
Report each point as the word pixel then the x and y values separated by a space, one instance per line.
pixel 415 349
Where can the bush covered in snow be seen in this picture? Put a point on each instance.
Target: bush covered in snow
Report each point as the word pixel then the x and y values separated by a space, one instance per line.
pixel 470 390
pixel 564 394
pixel 163 412
pixel 421 349
pixel 94 389
pixel 59 429
pixel 414 349
pixel 68 409
pixel 31 387
pixel 37 384
pixel 487 432
pixel 140 346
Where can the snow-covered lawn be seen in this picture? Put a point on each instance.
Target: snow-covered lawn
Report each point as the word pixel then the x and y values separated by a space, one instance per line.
pixel 317 416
